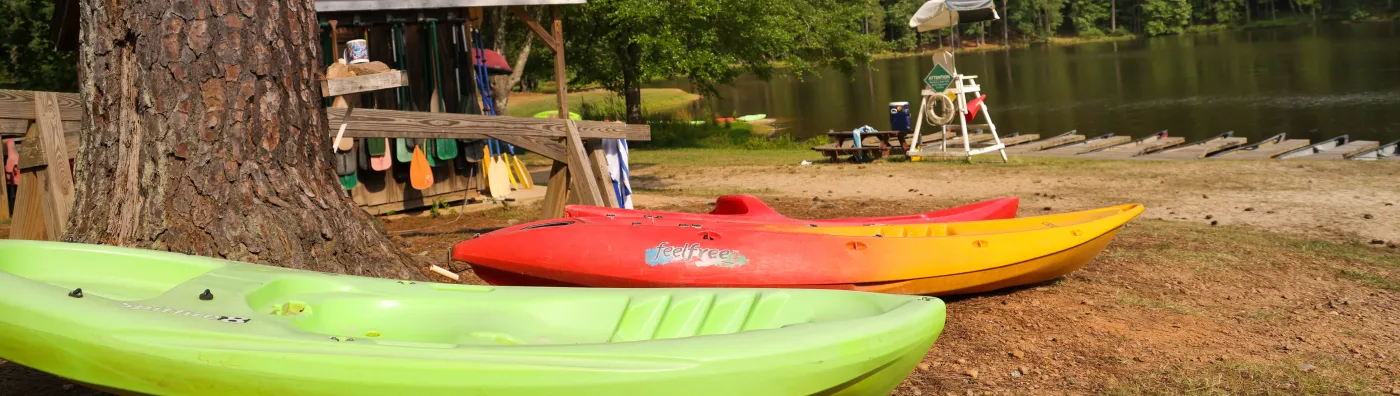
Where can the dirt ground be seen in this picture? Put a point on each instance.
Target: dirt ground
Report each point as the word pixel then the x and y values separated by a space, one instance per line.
pixel 1241 278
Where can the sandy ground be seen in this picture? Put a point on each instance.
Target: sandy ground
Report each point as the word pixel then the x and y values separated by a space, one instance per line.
pixel 1333 199
pixel 1284 294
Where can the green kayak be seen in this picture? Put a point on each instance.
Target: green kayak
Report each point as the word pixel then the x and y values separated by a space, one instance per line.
pixel 162 323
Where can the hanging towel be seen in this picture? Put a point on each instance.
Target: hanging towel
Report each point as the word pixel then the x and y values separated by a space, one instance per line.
pixel 616 153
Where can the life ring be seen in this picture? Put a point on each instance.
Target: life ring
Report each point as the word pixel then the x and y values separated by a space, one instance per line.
pixel 940 109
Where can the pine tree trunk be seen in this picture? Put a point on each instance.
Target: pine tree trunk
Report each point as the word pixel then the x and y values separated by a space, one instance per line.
pixel 204 134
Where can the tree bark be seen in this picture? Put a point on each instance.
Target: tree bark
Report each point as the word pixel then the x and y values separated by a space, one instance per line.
pixel 501 86
pixel 1113 16
pixel 631 82
pixel 204 134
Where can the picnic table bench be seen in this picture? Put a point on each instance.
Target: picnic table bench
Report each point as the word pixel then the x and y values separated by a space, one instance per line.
pixel 877 144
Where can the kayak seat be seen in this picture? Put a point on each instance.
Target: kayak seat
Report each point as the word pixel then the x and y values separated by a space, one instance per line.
pixel 743 204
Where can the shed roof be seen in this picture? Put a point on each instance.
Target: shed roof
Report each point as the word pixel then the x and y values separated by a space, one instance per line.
pixel 381 5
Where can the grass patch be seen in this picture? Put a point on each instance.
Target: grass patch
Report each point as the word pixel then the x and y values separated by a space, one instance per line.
pixel 1248 378
pixel 736 135
pixel 1273 23
pixel 1369 278
pixel 658 100
pixel 703 157
pixel 703 192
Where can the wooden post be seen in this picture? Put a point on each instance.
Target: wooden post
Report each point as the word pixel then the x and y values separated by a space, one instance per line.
pixel 585 179
pixel 4 185
pixel 600 169
pixel 28 222
pixel 557 195
pixel 58 193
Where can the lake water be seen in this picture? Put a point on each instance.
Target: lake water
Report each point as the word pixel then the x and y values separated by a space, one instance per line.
pixel 1311 82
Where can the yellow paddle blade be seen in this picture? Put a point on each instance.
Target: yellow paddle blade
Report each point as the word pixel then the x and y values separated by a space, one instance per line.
pixel 420 175
pixel 523 173
pixel 510 171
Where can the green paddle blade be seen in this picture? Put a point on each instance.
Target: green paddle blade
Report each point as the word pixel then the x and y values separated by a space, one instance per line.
pixel 375 146
pixel 430 150
pixel 403 150
pixel 349 181
pixel 446 149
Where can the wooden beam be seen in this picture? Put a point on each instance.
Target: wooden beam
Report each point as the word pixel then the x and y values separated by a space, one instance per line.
pixel 58 196
pixel 417 124
pixel 20 104
pixel 599 162
pixel 548 148
pixel 13 127
pixel 32 155
pixel 524 16
pixel 357 84
pixel 585 180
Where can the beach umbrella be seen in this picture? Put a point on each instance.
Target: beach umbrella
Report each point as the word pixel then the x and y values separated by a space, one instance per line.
pixel 938 14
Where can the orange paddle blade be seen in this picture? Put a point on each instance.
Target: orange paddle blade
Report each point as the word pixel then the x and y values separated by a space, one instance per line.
pixel 420 175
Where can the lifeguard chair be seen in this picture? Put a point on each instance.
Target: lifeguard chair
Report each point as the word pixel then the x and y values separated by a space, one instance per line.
pixel 959 95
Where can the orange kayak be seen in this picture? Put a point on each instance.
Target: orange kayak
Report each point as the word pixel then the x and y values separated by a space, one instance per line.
pixel 927 259
pixel 749 209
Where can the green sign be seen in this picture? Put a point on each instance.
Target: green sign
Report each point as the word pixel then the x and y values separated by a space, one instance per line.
pixel 939 78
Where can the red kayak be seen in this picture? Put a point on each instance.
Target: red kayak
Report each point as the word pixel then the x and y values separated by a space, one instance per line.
pixel 741 208
pixel 927 258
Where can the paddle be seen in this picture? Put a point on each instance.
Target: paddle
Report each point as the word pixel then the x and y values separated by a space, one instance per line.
pixel 420 175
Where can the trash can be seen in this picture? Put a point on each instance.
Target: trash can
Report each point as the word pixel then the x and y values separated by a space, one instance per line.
pixel 899 116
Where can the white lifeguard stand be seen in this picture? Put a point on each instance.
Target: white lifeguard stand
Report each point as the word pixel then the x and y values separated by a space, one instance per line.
pixel 945 80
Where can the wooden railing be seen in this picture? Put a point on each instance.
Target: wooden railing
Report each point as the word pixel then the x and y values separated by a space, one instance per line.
pixel 49 124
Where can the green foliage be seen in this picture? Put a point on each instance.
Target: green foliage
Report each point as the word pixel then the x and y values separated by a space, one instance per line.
pixel 1037 18
pixel 1166 16
pixel 620 44
pixel 1086 15
pixel 30 60
pixel 1229 11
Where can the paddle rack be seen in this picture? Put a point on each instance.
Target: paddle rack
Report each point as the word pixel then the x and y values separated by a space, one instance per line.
pixel 963 87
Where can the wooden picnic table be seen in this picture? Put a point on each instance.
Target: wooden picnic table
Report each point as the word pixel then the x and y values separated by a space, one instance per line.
pixel 887 142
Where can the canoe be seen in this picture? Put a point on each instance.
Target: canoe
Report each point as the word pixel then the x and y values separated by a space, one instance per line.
pixel 1388 151
pixel 142 325
pixel 1272 140
pixel 1315 148
pixel 751 117
pixel 925 259
pixel 743 208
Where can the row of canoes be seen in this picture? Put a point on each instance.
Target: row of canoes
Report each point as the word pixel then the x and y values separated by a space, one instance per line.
pixel 1223 146
pixel 727 302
